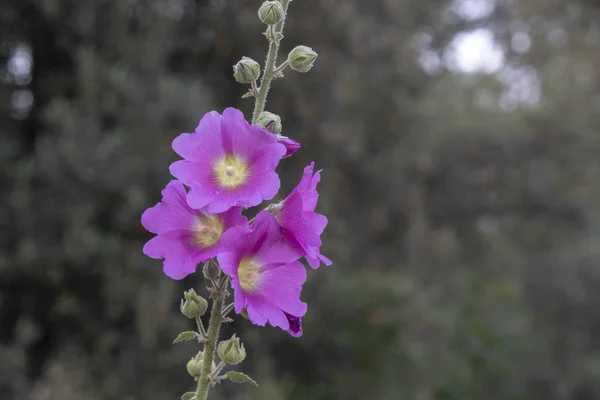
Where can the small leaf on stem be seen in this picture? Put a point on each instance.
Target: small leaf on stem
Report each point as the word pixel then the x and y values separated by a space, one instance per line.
pixel 239 377
pixel 185 336
pixel 188 396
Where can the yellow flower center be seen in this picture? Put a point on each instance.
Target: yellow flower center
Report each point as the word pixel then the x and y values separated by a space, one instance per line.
pixel 208 230
pixel 231 171
pixel 249 275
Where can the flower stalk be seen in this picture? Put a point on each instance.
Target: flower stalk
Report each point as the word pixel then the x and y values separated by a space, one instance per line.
pixel 258 258
pixel 274 34
pixel 209 347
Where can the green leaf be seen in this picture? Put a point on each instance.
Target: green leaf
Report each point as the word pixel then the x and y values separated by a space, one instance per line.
pixel 185 336
pixel 239 377
pixel 249 94
pixel 188 396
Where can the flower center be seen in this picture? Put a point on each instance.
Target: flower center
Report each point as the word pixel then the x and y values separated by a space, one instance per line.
pixel 230 171
pixel 249 275
pixel 208 230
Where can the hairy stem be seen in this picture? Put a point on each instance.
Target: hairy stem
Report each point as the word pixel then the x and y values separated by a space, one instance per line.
pixel 209 348
pixel 269 70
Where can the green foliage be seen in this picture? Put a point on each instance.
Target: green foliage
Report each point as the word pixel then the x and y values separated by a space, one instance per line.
pixel 239 377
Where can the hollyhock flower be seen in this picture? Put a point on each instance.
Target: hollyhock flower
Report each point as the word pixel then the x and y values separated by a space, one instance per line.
pixel 298 221
pixel 291 146
pixel 227 162
pixel 185 237
pixel 265 275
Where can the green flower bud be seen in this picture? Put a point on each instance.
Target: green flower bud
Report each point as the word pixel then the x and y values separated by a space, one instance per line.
pixel 194 366
pixel 302 58
pixel 273 209
pixel 271 122
pixel 271 12
pixel 210 270
pixel 231 351
pixel 193 305
pixel 246 71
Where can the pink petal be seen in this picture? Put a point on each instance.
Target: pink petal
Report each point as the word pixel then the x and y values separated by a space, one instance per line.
pixel 172 213
pixel 281 286
pixel 261 311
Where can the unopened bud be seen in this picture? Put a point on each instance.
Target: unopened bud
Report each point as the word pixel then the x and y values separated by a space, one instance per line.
pixel 194 366
pixel 231 352
pixel 193 306
pixel 271 12
pixel 291 146
pixel 302 58
pixel 274 209
pixel 210 270
pixel 270 122
pixel 246 71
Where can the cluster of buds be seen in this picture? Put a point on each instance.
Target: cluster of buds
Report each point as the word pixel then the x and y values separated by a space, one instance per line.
pixel 247 71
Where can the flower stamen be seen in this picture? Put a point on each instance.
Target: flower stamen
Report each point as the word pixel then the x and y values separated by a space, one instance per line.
pixel 230 171
pixel 249 275
pixel 207 230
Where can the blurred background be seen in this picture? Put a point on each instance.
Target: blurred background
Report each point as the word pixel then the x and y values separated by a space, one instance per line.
pixel 461 153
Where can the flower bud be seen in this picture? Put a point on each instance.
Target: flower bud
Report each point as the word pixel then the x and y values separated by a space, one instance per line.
pixel 210 270
pixel 193 306
pixel 231 352
pixel 302 58
pixel 274 209
pixel 194 366
pixel 291 146
pixel 271 12
pixel 270 122
pixel 246 71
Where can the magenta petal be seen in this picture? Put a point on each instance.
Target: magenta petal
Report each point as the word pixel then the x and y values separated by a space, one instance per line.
pixel 281 286
pixel 291 146
pixel 295 325
pixel 172 213
pixel 269 245
pixel 317 222
pixel 308 187
pixel 178 261
pixel 261 311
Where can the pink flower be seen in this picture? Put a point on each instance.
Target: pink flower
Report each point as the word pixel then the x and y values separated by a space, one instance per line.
pixel 227 162
pixel 265 275
pixel 185 237
pixel 298 221
pixel 291 146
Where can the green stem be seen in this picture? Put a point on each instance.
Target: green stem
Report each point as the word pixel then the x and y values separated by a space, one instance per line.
pixel 269 71
pixel 218 369
pixel 281 67
pixel 201 329
pixel 209 349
